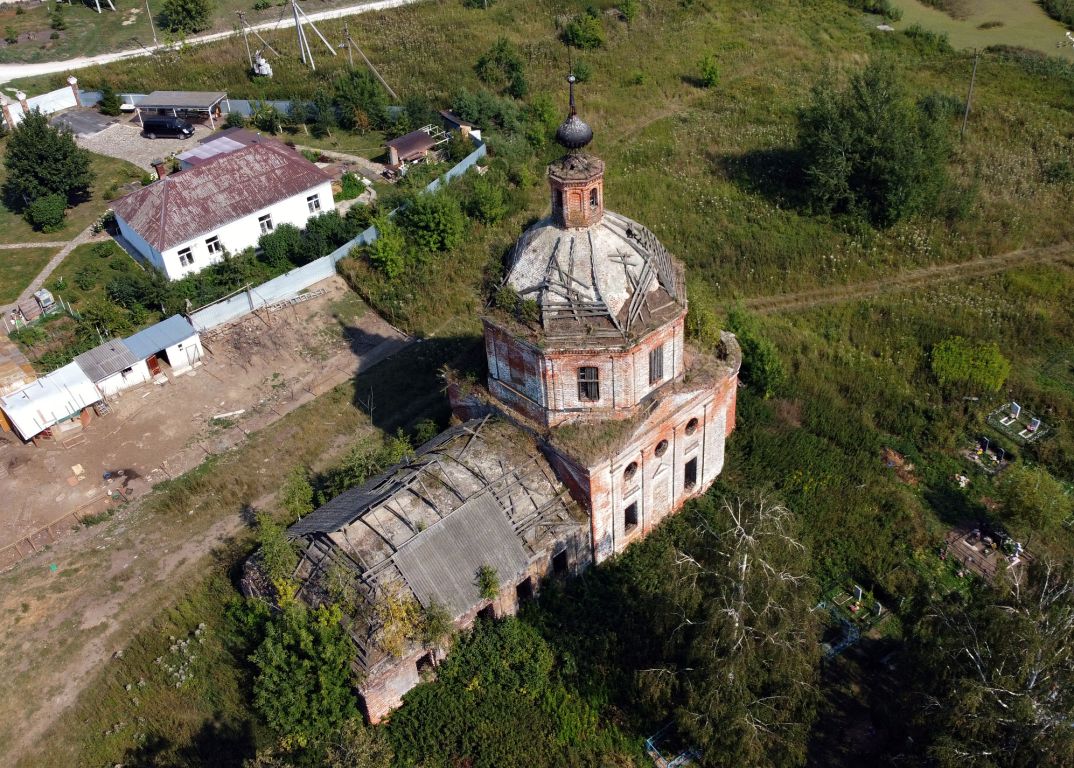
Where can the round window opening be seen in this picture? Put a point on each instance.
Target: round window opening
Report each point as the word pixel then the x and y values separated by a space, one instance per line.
pixel 661 448
pixel 691 426
pixel 630 471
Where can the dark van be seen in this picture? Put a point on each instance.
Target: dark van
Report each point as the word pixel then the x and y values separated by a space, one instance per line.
pixel 162 125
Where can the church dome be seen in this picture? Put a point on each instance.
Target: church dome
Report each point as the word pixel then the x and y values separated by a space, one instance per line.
pixel 574 133
pixel 598 284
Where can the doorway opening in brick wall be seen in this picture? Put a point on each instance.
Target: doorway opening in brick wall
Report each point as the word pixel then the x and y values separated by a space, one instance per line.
pixel 690 474
pixel 559 563
pixel 524 590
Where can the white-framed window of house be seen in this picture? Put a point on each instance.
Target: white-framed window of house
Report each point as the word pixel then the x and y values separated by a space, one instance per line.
pixel 213 246
pixel 314 203
pixel 265 222
pixel 186 258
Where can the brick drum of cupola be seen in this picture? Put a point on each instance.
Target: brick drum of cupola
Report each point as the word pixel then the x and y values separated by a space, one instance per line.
pixel 577 184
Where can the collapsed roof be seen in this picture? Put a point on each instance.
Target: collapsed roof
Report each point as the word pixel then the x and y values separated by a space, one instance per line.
pixel 610 281
pixel 479 494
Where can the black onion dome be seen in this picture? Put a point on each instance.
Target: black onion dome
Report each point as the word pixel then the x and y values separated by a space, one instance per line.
pixel 574 133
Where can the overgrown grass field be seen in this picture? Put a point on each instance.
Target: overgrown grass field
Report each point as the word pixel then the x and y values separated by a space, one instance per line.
pixel 981 23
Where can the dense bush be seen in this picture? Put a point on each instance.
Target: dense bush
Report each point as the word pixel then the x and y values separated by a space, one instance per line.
pixel 585 32
pixel 388 252
pixel 362 101
pixel 762 369
pixel 1032 497
pixel 303 683
pixel 433 222
pixel 46 214
pixel 870 151
pixel 186 16
pixel 884 8
pixel 982 368
pixel 501 67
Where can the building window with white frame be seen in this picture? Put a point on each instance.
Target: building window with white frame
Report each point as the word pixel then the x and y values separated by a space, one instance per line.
pixel 314 203
pixel 213 246
pixel 186 258
pixel 265 222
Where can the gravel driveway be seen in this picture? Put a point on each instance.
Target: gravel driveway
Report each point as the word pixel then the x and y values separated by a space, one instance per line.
pixel 125 141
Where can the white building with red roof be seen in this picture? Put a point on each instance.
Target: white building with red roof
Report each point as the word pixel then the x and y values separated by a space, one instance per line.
pixel 186 221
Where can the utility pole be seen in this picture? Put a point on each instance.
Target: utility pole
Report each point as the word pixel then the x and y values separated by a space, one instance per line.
pixel 347 40
pixel 245 37
pixel 152 26
pixel 969 96
pixel 368 63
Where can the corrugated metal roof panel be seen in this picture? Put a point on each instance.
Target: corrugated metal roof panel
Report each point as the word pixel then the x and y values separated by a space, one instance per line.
pixel 181 99
pixel 158 337
pixel 441 563
pixel 108 358
pixel 184 205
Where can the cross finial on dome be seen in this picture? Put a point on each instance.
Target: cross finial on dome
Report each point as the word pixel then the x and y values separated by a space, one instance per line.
pixel 573 133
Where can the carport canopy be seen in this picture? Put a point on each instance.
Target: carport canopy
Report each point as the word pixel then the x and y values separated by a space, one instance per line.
pixel 186 101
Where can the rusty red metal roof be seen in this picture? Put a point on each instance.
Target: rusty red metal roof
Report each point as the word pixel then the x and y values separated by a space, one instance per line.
pixel 184 205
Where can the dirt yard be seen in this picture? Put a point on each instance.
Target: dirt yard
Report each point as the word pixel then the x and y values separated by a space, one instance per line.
pixel 256 371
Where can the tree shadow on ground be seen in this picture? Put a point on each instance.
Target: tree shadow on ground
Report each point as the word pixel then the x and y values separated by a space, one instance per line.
pixel 216 744
pixel 775 174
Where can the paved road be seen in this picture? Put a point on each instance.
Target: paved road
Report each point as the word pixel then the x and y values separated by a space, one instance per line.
pixel 10 72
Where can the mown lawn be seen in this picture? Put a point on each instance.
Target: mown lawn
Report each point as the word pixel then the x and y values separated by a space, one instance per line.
pixel 109 175
pixel 18 267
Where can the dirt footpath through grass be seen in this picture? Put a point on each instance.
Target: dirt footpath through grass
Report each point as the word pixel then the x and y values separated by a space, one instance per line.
pixel 803 300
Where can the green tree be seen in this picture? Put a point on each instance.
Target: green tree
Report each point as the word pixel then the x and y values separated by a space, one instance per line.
pixel 959 363
pixel 296 496
pixel 186 16
pixel 988 677
pixel 871 151
pixel 323 114
pixel 277 554
pixel 267 118
pixel 362 102
pixel 762 368
pixel 501 67
pixel 57 19
pixel 433 221
pixel 628 9
pixel 42 160
pixel 740 592
pixel 109 103
pixel 303 683
pixel 1031 496
pixel 486 200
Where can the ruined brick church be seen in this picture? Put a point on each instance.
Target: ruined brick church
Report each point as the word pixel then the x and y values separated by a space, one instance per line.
pixel 597 421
